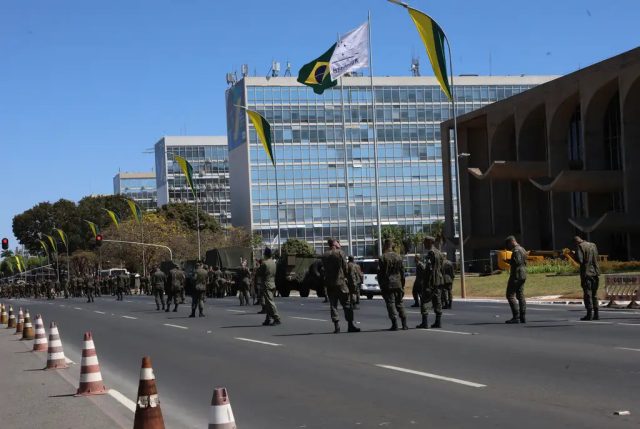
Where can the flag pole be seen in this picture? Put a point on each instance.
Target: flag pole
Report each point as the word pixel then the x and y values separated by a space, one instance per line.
pixel 195 196
pixel 144 262
pixel 375 140
pixel 275 171
pixel 463 289
pixel 346 168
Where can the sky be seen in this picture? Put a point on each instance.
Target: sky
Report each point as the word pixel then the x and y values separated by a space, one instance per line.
pixel 87 86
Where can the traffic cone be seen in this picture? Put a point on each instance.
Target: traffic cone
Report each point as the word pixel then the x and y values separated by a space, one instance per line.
pixel 28 333
pixel 148 412
pixel 12 318
pixel 90 376
pixel 40 343
pixel 4 318
pixel 20 323
pixel 55 354
pixel 221 416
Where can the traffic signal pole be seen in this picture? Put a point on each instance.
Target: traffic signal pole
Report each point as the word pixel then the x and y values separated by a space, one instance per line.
pixel 141 244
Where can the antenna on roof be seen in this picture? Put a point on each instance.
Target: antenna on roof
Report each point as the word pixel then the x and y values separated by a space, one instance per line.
pixel 415 66
pixel 275 69
pixel 287 72
pixel 244 70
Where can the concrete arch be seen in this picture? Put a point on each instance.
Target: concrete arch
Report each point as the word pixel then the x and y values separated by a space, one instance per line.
pixel 503 141
pixel 532 136
pixel 593 125
pixel 558 134
pixel 631 150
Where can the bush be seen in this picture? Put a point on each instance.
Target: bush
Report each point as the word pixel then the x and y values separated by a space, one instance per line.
pixel 619 266
pixel 551 266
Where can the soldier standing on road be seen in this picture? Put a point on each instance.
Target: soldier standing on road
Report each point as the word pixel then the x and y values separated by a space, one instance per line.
pixel 587 256
pixel 158 280
pixel 122 282
pixel 517 278
pixel 90 287
pixel 335 273
pixel 266 275
pixel 447 291
pixel 244 282
pixel 391 279
pixel 200 287
pixel 432 284
pixel 354 277
pixel 177 278
pixel 417 284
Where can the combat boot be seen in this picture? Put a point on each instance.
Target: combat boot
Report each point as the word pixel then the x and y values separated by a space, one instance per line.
pixel 353 328
pixel 596 315
pixel 175 308
pixel 336 327
pixel 394 325
pixel 193 314
pixel 266 322
pixel 201 314
pixel 523 319
pixel 276 322
pixel 404 324
pixel 437 324
pixel 513 321
pixel 588 316
pixel 168 308
pixel 425 322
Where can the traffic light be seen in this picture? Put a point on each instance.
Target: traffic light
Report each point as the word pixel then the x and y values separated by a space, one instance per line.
pixel 99 240
pixel 5 244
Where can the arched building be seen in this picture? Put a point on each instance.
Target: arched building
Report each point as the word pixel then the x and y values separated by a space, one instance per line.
pixel 558 160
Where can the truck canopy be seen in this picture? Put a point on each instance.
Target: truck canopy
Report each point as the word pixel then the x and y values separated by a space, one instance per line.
pixel 228 258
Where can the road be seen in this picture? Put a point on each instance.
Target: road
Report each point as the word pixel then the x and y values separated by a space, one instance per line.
pixel 477 372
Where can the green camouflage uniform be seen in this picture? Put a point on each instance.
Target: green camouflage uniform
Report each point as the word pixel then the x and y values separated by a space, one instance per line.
pixel 515 285
pixel 587 256
pixel 266 276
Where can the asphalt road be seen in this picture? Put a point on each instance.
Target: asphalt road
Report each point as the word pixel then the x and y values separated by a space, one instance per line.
pixel 477 372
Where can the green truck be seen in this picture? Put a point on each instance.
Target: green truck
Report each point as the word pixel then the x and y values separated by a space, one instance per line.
pixel 301 273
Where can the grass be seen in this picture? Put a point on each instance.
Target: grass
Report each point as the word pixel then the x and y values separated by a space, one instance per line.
pixel 538 284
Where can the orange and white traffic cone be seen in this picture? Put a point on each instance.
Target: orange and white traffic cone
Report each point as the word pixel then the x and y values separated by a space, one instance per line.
pixel 55 354
pixel 221 416
pixel 40 343
pixel 20 323
pixel 28 333
pixel 148 412
pixel 90 376
pixel 4 317
pixel 12 318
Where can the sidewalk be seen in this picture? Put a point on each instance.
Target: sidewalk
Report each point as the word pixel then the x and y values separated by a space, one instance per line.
pixel 33 398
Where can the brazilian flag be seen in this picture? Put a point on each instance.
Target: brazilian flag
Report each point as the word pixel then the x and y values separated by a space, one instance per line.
pixel 187 170
pixel 317 73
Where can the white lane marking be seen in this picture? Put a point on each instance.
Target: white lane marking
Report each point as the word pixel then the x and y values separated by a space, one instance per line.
pixel 174 326
pixel 594 322
pixel 67 360
pixel 237 311
pixel 434 376
pixel 62 305
pixel 493 306
pixel 128 403
pixel 130 317
pixel 627 348
pixel 629 324
pixel 444 331
pixel 128 301
pixel 99 312
pixel 77 308
pixel 309 318
pixel 258 342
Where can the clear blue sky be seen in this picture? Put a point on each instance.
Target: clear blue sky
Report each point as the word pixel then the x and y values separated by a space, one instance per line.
pixel 87 86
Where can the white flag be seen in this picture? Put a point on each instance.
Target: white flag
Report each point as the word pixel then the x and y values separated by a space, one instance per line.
pixel 351 52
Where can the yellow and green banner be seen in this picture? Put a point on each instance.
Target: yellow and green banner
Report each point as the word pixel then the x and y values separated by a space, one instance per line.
pixel 187 170
pixel 94 228
pixel 263 130
pixel 63 237
pixel 54 246
pixel 135 210
pixel 19 263
pixel 44 247
pixel 114 217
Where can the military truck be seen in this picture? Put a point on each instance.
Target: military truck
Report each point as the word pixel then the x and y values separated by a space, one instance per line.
pixel 301 273
pixel 228 259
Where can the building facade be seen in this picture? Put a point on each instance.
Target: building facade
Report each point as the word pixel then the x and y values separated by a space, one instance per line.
pixel 208 155
pixel 140 187
pixel 553 162
pixel 309 133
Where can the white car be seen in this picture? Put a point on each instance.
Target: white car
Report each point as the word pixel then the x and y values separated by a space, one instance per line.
pixel 370 286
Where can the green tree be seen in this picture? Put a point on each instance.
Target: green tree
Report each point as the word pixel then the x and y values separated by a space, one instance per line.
pixel 297 247
pixel 187 216
pixel 436 229
pixel 397 234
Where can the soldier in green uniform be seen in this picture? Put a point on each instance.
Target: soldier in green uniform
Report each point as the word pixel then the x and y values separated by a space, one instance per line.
pixel 266 275
pixel 417 284
pixel 200 287
pixel 391 279
pixel 430 293
pixel 90 287
pixel 177 286
pixel 243 282
pixel 354 278
pixel 158 280
pixel 335 272
pixel 587 256
pixel 448 274
pixel 517 278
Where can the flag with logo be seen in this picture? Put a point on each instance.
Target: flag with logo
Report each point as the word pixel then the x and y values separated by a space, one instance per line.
pixel 317 73
pixel 187 170
pixel 351 52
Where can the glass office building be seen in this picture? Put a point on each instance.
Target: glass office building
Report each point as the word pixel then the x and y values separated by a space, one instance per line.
pixel 140 187
pixel 208 157
pixel 309 132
